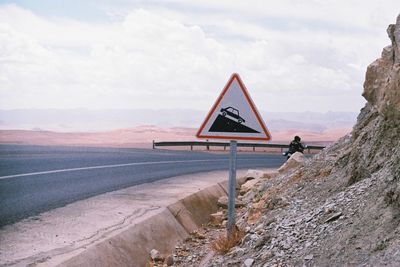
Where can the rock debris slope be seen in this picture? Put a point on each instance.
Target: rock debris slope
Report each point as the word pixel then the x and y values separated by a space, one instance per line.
pixel 341 208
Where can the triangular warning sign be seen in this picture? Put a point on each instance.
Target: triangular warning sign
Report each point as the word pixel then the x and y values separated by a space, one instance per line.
pixel 234 116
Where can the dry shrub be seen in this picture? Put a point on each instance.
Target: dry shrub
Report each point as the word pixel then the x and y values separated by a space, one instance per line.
pixel 222 244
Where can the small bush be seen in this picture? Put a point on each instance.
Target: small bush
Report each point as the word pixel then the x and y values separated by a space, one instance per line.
pixel 222 244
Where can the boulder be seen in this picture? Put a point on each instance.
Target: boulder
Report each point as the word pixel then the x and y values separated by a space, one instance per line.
pixel 297 159
pixel 241 180
pixel 254 174
pixel 217 218
pixel 247 186
pixel 223 202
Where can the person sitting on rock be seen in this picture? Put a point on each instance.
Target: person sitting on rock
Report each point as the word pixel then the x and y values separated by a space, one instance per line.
pixel 295 146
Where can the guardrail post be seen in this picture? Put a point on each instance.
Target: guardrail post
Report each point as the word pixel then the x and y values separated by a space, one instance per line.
pixel 154 145
pixel 191 147
pixel 254 149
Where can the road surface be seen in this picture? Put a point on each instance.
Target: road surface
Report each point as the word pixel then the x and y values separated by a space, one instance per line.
pixel 34 179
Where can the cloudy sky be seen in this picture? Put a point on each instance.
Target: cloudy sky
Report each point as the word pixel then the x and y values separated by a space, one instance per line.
pixel 166 54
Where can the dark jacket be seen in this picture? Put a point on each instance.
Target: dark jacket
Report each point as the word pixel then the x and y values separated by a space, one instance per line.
pixel 295 146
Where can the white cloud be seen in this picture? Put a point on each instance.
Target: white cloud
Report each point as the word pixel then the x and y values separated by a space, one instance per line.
pixel 171 56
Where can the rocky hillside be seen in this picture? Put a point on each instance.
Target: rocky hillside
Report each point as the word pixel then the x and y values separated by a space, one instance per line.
pixel 341 208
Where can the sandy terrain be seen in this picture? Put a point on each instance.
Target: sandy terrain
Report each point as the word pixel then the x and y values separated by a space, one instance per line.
pixel 142 137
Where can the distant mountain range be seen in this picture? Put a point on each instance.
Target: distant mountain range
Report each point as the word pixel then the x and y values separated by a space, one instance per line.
pixel 84 120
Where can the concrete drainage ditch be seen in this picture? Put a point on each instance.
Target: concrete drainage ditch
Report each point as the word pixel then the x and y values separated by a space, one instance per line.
pixel 161 232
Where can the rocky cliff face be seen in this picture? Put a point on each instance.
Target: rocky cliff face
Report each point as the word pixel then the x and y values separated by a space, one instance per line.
pixel 376 136
pixel 343 207
pixel 381 87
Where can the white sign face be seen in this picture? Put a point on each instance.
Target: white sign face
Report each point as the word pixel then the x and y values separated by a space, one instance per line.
pixel 234 116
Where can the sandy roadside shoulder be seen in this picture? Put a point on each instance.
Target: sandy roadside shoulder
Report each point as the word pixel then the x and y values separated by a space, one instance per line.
pixel 69 229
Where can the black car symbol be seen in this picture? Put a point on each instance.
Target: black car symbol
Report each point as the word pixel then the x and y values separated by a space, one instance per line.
pixel 232 112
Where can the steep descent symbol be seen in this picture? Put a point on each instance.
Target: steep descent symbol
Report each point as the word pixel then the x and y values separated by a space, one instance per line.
pixel 230 124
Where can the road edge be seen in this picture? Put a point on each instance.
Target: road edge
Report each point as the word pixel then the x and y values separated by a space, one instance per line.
pixel 161 232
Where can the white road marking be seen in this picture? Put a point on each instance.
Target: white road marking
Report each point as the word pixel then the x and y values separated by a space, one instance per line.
pixel 110 166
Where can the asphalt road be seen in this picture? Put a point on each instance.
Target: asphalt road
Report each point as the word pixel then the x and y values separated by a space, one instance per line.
pixel 34 179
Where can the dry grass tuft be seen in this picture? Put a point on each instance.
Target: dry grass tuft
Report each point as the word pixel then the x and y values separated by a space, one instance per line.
pixel 222 244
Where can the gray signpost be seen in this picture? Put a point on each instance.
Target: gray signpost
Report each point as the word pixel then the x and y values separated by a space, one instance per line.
pixel 233 117
pixel 232 188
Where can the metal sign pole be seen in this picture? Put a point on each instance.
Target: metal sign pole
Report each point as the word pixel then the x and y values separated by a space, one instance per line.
pixel 232 188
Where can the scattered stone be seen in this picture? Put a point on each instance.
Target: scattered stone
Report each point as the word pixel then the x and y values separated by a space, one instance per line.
pixel 247 186
pixel 239 251
pixel 262 241
pixel 198 235
pixel 223 202
pixel 309 257
pixel 334 217
pixel 169 260
pixel 217 218
pixel 254 216
pixel 246 239
pixel 267 255
pixel 259 229
pixel 155 255
pixel 248 262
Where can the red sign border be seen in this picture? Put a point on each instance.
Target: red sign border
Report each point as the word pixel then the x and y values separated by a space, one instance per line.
pixel 249 100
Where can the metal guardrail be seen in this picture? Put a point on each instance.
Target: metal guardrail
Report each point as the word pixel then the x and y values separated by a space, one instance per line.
pixel 225 145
